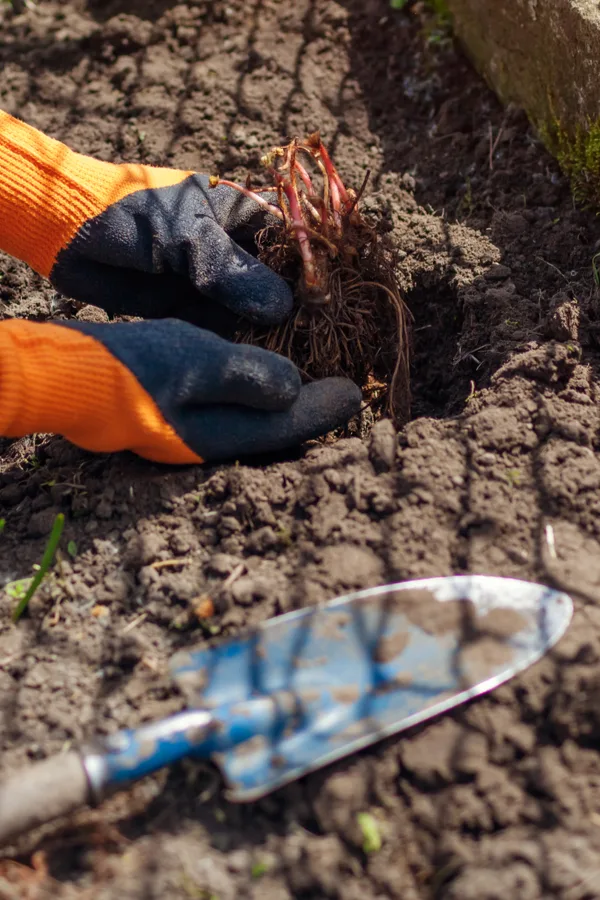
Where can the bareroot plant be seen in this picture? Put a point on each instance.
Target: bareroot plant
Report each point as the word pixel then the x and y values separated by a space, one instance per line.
pixel 349 318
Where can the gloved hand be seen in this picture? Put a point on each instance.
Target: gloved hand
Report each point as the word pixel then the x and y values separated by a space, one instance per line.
pixel 132 239
pixel 167 390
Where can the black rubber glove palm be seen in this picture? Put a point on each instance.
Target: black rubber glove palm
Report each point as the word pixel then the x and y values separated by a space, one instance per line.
pixel 224 400
pixel 167 251
pixel 166 390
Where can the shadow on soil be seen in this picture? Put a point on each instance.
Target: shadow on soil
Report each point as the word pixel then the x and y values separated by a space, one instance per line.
pixel 403 101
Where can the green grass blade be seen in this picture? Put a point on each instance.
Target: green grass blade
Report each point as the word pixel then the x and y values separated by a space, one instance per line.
pixel 47 560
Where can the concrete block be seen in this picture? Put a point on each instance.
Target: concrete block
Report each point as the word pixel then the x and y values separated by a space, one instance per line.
pixel 543 55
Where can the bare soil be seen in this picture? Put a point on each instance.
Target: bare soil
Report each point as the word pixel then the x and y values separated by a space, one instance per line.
pixel 498 800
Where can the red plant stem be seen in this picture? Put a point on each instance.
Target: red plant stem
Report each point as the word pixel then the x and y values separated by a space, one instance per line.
pixel 335 202
pixel 299 226
pixel 332 173
pixel 291 162
pixel 292 167
pixel 305 178
pixel 323 172
pixel 252 195
pixel 280 198
pixel 331 190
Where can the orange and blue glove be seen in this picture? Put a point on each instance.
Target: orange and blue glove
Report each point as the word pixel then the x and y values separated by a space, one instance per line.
pixel 152 242
pixel 165 389
pixel 135 240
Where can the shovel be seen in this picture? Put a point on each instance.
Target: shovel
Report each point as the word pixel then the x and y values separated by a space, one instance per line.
pixel 310 687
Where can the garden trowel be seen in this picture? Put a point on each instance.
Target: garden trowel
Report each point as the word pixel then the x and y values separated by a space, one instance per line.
pixel 309 687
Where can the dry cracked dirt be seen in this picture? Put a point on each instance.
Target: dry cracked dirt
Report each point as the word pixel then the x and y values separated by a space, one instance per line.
pixel 500 799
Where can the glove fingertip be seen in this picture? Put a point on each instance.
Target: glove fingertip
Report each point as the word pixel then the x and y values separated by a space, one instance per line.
pixel 231 430
pixel 251 289
pixel 263 297
pixel 259 379
pixel 330 403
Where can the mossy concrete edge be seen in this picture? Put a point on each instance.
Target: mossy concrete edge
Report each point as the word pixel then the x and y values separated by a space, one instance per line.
pixel 544 56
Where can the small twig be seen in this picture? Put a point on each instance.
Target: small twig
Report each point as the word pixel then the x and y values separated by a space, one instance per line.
pixel 548 556
pixel 169 563
pixel 239 570
pixel 495 144
pixel 134 623
pixel 549 534
pixel 469 354
pixel 552 266
pixel 54 616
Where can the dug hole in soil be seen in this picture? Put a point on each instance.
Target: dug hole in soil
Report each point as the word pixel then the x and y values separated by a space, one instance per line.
pixel 498 800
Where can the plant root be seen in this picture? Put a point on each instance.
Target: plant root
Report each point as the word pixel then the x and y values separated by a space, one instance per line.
pixel 349 318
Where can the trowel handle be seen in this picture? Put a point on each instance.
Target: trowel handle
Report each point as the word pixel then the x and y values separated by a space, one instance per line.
pixel 46 791
pixel 60 785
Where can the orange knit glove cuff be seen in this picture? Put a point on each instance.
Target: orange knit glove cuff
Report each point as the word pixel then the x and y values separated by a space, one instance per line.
pixel 55 379
pixel 47 192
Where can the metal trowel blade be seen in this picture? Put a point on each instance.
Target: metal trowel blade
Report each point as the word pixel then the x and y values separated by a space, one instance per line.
pixel 367 665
